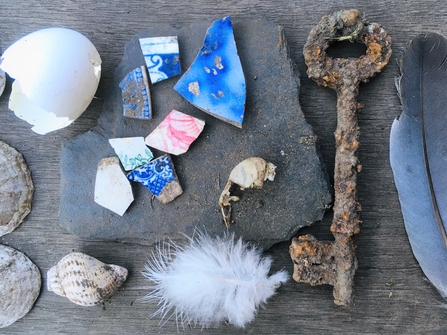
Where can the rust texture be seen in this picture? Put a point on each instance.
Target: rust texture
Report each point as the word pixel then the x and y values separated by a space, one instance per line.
pixel 335 262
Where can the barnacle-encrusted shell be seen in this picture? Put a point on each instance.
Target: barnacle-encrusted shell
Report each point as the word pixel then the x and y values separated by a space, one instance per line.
pixel 16 189
pixel 85 280
pixel 19 285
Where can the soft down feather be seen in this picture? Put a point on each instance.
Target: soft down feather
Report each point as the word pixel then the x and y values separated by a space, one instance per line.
pixel 210 280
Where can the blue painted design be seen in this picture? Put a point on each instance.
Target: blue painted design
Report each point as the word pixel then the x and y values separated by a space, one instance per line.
pixel 136 95
pixel 154 175
pixel 215 81
pixel 161 55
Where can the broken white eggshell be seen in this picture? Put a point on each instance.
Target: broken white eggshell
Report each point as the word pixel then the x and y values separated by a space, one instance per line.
pixel 56 72
pixel 250 173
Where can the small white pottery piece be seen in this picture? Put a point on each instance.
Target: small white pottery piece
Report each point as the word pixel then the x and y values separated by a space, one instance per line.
pixel 84 280
pixel 131 151
pixel 112 189
pixel 19 285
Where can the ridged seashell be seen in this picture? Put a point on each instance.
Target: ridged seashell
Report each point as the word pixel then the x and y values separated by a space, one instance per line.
pixel 85 280
pixel 16 189
pixel 19 285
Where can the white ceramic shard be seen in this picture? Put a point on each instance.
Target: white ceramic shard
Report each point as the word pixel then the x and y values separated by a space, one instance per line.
pixel 161 55
pixel 19 285
pixel 84 280
pixel 112 189
pixel 56 72
pixel 131 151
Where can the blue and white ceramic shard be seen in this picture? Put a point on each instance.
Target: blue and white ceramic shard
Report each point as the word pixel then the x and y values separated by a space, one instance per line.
pixel 136 95
pixel 215 81
pixel 159 177
pixel 161 55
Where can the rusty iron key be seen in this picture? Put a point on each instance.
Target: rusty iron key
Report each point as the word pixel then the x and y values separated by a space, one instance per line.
pixel 335 262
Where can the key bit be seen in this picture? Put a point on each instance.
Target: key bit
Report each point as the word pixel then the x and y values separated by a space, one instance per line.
pixel 335 262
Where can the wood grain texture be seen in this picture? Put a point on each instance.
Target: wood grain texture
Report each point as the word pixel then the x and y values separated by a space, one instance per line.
pixel 410 306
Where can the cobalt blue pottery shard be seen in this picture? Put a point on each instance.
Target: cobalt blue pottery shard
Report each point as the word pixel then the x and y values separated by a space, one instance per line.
pixel 159 177
pixel 215 82
pixel 161 55
pixel 136 94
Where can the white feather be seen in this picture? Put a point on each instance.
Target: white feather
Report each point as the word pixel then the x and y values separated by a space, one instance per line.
pixel 210 280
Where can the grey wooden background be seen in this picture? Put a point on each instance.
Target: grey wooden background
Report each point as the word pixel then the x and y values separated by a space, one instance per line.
pixel 410 306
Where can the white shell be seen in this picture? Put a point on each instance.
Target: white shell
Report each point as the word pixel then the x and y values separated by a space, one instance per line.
pixel 19 285
pixel 16 189
pixel 56 72
pixel 252 172
pixel 85 280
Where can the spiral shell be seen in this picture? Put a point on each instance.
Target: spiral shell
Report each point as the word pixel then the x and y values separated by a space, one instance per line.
pixel 19 285
pixel 16 189
pixel 85 280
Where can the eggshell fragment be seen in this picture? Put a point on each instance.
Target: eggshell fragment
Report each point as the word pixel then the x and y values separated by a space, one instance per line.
pixel 56 72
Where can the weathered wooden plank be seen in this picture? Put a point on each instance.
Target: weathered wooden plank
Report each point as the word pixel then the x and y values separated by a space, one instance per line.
pixel 410 305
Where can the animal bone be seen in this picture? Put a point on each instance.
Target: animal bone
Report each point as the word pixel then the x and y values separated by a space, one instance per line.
pixel 250 173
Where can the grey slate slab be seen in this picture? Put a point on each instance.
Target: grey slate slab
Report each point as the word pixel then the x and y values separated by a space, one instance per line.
pixel 274 128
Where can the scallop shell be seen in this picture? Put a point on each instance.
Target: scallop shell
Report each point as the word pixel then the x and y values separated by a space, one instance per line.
pixel 16 189
pixel 85 280
pixel 19 285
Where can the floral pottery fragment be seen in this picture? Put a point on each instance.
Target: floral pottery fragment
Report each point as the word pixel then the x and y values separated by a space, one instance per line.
pixel 215 82
pixel 136 94
pixel 16 189
pixel 84 280
pixel 175 133
pixel 131 151
pixel 159 177
pixel 19 285
pixel 161 55
pixel 112 189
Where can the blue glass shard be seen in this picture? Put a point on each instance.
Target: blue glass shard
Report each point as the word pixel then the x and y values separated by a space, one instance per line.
pixel 154 175
pixel 161 55
pixel 136 95
pixel 215 81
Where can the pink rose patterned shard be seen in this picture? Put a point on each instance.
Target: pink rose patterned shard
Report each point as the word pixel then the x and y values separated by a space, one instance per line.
pixel 175 133
pixel 159 177
pixel 136 95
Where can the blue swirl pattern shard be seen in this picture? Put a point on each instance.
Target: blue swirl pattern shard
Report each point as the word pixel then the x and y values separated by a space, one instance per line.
pixel 159 177
pixel 215 81
pixel 161 55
